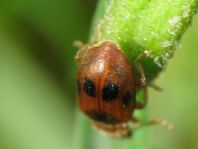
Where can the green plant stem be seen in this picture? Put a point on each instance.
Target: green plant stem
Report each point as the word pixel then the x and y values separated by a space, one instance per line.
pixel 136 26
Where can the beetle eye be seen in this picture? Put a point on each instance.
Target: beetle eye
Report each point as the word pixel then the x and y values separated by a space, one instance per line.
pixel 89 87
pixel 110 92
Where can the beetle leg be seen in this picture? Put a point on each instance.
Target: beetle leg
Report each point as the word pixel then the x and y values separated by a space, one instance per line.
pixel 156 121
pixel 142 81
pixel 160 121
pixel 140 70
pixel 78 44
pixel 135 119
pixel 139 67
pixel 139 105
pixel 156 87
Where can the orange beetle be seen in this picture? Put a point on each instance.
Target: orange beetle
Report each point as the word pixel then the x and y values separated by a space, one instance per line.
pixel 107 87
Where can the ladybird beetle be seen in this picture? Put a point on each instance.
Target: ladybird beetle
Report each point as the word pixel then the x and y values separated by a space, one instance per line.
pixel 107 87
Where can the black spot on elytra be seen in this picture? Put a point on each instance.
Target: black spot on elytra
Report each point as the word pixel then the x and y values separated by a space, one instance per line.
pixel 89 87
pixel 102 117
pixel 128 97
pixel 110 92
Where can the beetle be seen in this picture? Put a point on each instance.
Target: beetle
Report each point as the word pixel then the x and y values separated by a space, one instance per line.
pixel 107 86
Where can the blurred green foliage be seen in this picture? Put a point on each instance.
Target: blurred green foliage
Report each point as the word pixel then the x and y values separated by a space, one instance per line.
pixel 37 67
pixel 37 81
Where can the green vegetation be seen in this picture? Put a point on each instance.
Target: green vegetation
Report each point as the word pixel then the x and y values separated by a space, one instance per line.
pixel 37 74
